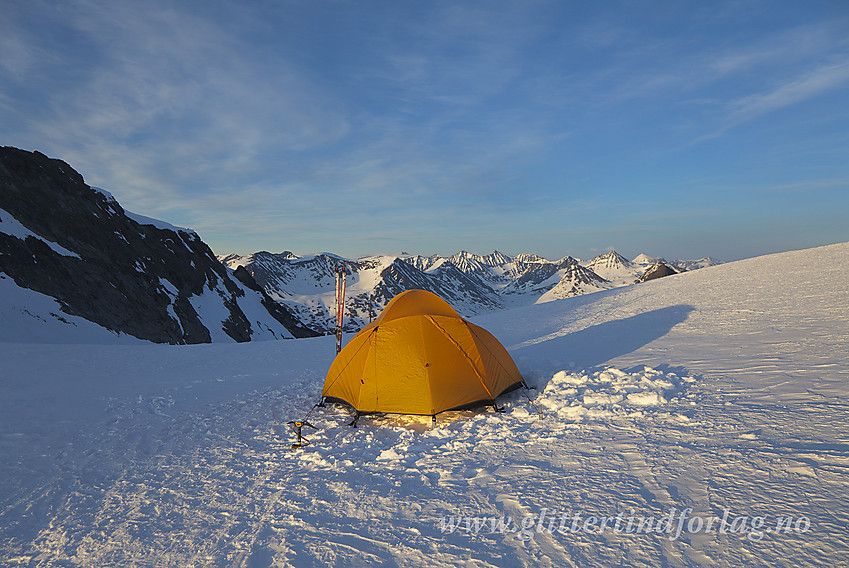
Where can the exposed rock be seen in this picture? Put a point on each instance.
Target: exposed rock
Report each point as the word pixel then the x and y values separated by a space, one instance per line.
pixel 656 270
pixel 103 266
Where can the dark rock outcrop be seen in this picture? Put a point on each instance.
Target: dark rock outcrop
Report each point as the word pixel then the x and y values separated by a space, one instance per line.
pixel 128 277
pixel 656 270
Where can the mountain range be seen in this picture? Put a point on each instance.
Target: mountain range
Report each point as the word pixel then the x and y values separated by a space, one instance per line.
pixel 473 284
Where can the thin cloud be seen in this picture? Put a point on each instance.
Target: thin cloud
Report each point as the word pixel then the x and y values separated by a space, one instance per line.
pixel 787 48
pixel 802 186
pixel 458 55
pixel 793 92
pixel 656 69
pixel 170 99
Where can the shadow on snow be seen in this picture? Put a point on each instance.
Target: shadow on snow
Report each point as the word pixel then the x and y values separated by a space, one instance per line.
pixel 594 346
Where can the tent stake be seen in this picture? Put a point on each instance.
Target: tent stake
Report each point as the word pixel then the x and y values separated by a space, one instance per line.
pixel 353 423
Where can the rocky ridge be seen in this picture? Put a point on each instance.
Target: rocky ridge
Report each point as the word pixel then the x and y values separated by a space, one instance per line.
pixel 62 238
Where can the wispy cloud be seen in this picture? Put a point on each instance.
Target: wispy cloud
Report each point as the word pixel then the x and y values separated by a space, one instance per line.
pixel 736 77
pixel 803 186
pixel 783 49
pixel 168 97
pixel 460 54
pixel 796 90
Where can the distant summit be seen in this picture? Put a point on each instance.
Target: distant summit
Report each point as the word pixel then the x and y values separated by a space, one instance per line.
pixel 575 281
pixel 646 260
pixel 685 265
pixel 614 268
pixel 466 261
pixel 495 259
pixel 609 260
pixel 530 258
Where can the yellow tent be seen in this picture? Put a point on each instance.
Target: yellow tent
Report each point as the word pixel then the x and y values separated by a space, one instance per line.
pixel 420 357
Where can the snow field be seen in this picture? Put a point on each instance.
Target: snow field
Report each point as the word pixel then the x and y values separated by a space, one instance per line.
pixel 220 487
pixel 223 487
pixel 720 392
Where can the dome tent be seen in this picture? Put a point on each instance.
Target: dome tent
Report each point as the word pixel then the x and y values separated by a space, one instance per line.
pixel 420 357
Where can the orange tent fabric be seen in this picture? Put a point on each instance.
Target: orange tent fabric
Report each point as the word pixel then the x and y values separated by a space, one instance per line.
pixel 420 357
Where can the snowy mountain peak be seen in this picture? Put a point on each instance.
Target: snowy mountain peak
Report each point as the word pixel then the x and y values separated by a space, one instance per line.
pixel 575 280
pixel 470 262
pixel 466 261
pixel 643 259
pixel 495 259
pixel 529 258
pixel 685 265
pixel 566 261
pixel 609 260
pixel 425 263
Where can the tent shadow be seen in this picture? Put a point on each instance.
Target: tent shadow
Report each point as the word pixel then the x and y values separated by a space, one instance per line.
pixel 594 346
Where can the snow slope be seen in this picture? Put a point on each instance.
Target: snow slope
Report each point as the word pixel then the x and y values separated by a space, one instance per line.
pixel 720 393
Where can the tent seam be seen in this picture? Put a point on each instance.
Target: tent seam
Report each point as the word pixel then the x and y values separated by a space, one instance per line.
pixel 427 371
pixel 497 360
pixel 342 370
pixel 466 355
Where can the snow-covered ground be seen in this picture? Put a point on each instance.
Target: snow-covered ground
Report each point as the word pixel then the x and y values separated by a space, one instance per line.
pixel 695 420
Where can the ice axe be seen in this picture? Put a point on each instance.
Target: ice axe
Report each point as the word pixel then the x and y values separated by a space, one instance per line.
pixel 296 428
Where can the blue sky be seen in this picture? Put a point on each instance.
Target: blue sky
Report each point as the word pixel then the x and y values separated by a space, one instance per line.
pixel 681 129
